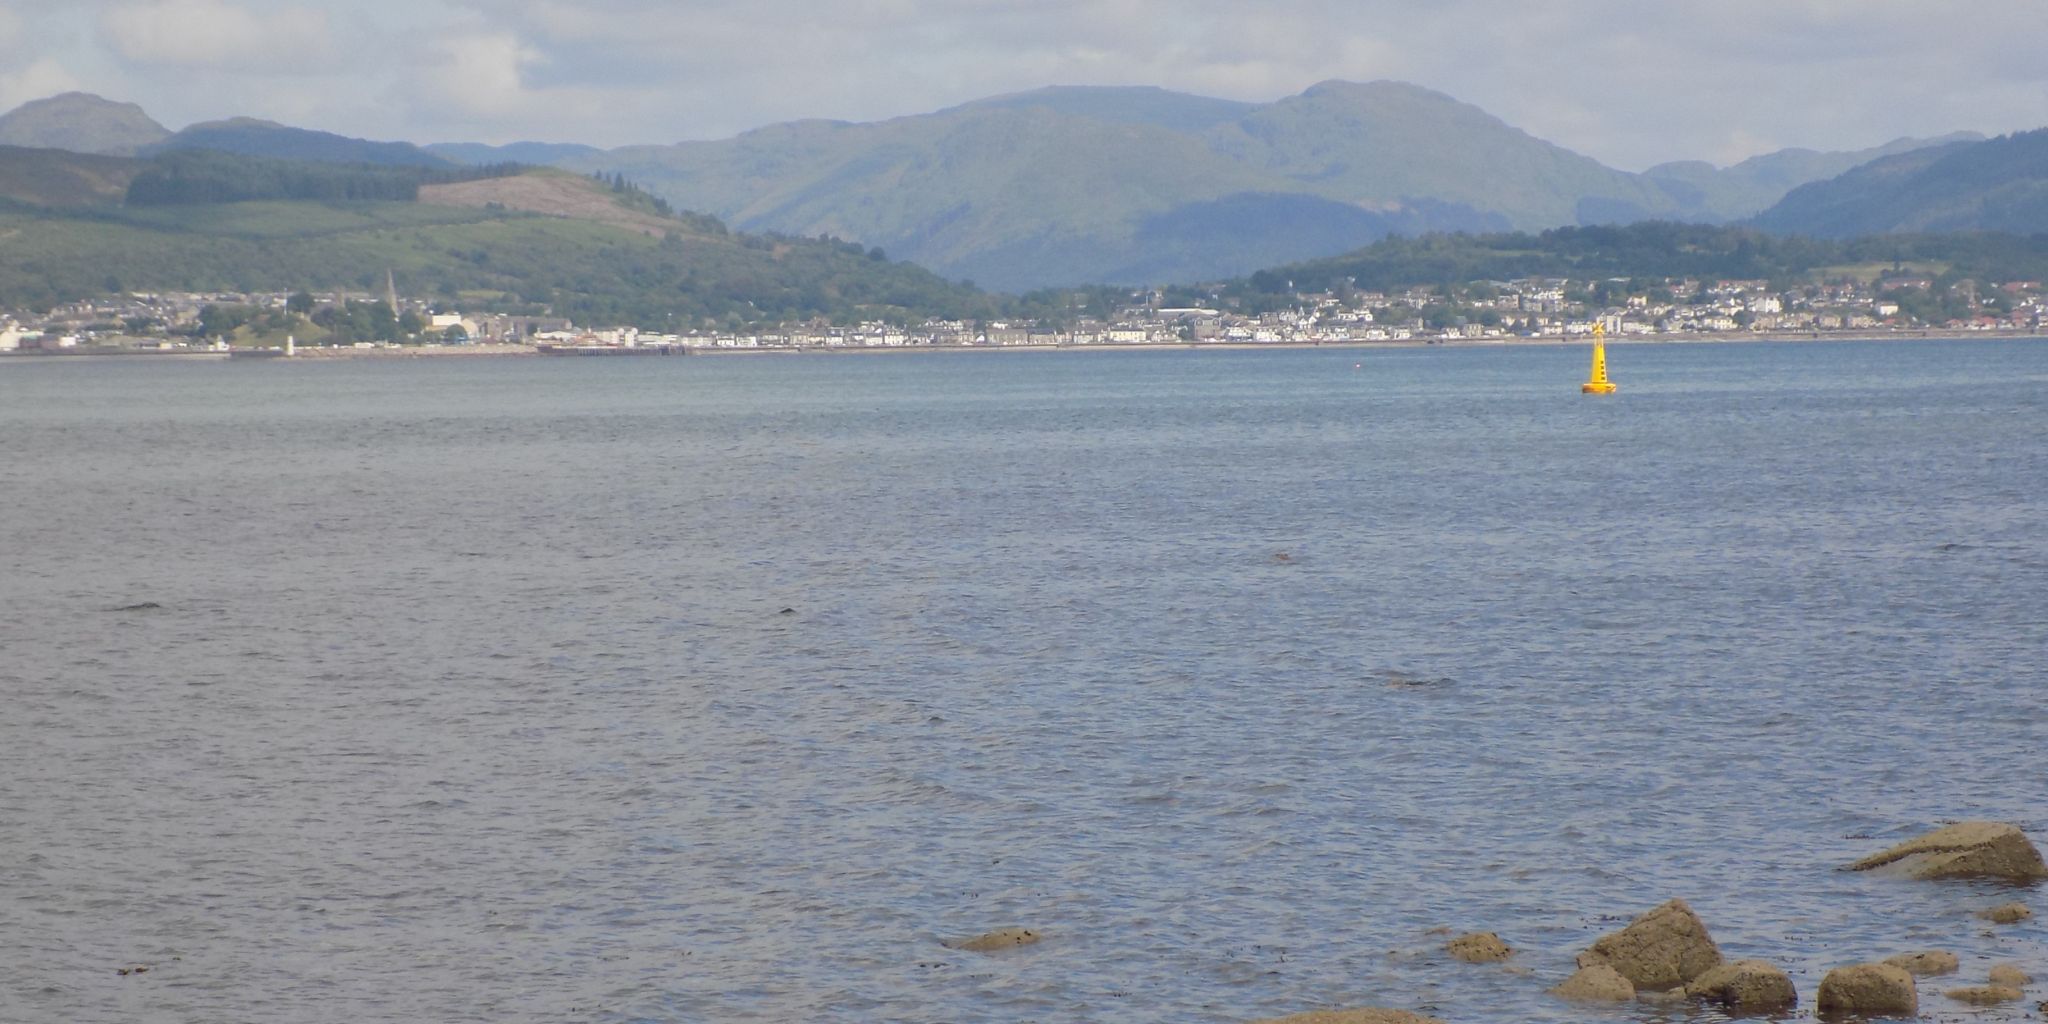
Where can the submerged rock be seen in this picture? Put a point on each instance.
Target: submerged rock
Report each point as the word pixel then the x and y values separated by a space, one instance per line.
pixel 1662 997
pixel 2010 976
pixel 1881 990
pixel 1985 995
pixel 1968 849
pixel 1926 963
pixel 1000 939
pixel 1479 948
pixel 1596 983
pixel 1664 948
pixel 2010 913
pixel 1362 1015
pixel 1745 985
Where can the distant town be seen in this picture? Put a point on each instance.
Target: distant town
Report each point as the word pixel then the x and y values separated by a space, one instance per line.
pixel 1535 308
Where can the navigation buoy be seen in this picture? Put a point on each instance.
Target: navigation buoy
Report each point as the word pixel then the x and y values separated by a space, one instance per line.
pixel 1597 383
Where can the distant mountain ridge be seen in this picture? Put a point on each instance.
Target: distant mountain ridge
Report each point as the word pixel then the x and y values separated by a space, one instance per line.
pixel 1733 193
pixel 1075 185
pixel 1135 185
pixel 81 123
pixel 247 136
pixel 1998 184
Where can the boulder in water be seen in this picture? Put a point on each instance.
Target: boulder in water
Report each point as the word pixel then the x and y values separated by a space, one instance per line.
pixel 995 941
pixel 1745 986
pixel 1985 995
pixel 1968 849
pixel 2010 976
pixel 2010 913
pixel 1871 990
pixel 1479 948
pixel 1665 948
pixel 1596 983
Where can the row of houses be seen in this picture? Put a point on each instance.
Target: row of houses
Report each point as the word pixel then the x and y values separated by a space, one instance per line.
pixel 1535 307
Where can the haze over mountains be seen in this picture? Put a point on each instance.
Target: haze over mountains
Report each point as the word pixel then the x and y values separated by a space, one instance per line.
pixel 1077 185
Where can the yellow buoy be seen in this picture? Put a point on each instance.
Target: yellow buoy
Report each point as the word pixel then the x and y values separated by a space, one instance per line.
pixel 1598 384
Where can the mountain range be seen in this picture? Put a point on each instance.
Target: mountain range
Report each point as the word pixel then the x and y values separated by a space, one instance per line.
pixel 1134 185
pixel 1130 185
pixel 1996 185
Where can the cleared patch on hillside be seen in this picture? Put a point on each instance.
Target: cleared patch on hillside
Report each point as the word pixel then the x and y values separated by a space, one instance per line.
pixel 54 178
pixel 553 195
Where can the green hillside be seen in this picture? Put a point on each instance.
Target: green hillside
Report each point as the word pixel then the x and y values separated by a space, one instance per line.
pixel 56 178
pixel 682 273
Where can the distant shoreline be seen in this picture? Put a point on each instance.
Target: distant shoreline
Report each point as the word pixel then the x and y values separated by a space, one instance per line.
pixel 313 353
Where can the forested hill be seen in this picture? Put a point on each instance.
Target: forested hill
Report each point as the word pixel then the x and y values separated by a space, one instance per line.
pixel 504 239
pixel 1648 250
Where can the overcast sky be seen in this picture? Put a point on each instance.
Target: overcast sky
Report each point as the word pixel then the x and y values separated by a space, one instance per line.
pixel 1631 82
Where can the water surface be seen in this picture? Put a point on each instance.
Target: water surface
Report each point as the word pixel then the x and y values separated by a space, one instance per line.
pixel 728 689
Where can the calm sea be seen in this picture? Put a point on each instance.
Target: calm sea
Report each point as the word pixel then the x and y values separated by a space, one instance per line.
pixel 729 689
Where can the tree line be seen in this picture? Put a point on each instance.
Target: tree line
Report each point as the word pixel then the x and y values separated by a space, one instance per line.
pixel 189 176
pixel 1652 250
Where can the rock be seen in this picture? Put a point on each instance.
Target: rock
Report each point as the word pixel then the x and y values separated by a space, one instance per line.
pixel 1665 948
pixel 1596 983
pixel 1925 963
pixel 1000 939
pixel 1969 849
pixel 1479 948
pixel 2011 913
pixel 1363 1015
pixel 1745 985
pixel 1666 997
pixel 1985 995
pixel 2010 976
pixel 1879 990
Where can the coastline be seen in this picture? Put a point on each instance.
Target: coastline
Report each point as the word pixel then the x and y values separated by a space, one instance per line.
pixel 508 350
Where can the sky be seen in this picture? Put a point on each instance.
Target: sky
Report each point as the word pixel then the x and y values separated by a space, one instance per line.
pixel 1629 82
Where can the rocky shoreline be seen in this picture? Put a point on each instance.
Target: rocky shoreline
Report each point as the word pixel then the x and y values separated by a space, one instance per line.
pixel 1667 956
